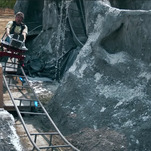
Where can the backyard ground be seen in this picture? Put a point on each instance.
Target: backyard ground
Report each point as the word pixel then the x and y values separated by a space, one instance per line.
pixel 5 16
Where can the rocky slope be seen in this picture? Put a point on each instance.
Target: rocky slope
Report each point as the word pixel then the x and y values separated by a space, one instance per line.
pixel 108 86
pixel 107 89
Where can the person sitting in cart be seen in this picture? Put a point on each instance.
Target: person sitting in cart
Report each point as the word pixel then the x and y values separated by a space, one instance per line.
pixel 16 27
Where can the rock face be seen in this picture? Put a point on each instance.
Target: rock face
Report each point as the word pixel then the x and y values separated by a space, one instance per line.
pixel 9 140
pixel 134 5
pixel 32 11
pixel 54 41
pixel 109 83
pixel 107 89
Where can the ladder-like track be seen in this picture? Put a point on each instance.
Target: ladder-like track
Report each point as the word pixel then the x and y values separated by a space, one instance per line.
pixel 34 108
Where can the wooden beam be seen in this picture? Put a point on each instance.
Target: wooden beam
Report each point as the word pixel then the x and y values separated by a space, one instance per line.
pixel 1 87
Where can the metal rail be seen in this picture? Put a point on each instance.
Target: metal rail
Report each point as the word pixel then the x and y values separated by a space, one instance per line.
pixel 42 112
pixel 19 114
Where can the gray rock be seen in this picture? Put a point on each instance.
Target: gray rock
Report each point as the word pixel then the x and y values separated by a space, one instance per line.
pixel 108 86
pixel 9 140
pixel 134 5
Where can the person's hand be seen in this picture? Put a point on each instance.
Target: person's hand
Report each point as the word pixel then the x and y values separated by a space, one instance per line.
pixel 9 36
pixel 7 33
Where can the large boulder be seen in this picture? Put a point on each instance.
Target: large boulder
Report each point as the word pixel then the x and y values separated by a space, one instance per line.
pixel 55 39
pixel 106 92
pixel 129 4
pixel 108 85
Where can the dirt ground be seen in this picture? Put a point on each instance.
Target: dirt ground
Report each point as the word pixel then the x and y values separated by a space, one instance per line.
pixel 5 16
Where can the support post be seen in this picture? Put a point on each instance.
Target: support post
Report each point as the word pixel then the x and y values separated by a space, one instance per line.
pixel 1 87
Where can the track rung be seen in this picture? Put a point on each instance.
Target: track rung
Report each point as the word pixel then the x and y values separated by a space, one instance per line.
pixel 22 99
pixel 13 85
pixel 12 63
pixel 46 133
pixel 13 75
pixel 56 146
pixel 10 67
pixel 33 113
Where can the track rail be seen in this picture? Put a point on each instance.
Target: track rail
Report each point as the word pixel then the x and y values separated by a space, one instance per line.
pixel 41 112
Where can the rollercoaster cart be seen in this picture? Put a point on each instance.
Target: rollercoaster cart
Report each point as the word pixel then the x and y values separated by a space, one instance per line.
pixel 14 50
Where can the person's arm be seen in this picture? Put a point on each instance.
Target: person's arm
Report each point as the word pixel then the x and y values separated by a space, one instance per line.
pixel 8 27
pixel 7 31
pixel 25 32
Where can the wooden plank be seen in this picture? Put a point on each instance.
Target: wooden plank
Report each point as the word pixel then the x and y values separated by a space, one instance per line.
pixel 12 108
pixel 1 87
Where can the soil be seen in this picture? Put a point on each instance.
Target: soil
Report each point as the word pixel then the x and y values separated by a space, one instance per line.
pixel 5 16
pixel 104 139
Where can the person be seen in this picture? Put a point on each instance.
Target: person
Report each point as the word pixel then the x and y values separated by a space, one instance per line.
pixel 16 27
